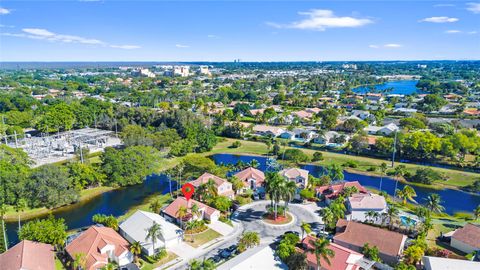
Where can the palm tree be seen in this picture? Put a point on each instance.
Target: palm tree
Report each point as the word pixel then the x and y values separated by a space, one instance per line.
pixel 156 205
pixel 433 203
pixel 80 261
pixel 392 213
pixel 194 210
pixel 338 208
pixel 289 190
pixel 399 171
pixel 136 249
pixel 321 250
pixel 181 213
pixel 383 170
pixel 407 193
pixel 254 163
pixel 327 216
pixel 153 233
pixel 20 206
pixel 369 215
pixel 306 228
pixel 476 212
pixel 273 184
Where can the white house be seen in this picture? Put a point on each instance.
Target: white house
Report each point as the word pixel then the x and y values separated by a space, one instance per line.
pixel 329 138
pixel 384 130
pixel 438 263
pixel 466 239
pixel 135 229
pixel 360 203
pixel 299 176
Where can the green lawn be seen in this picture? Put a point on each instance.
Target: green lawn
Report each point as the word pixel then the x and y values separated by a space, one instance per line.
pixel 456 178
pixel 149 266
pixel 201 238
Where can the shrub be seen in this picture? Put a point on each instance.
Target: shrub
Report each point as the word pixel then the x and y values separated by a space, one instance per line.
pixel 109 221
pixel 351 164
pixel 236 144
pixel 425 176
pixel 307 194
pixel 317 156
pixel 296 155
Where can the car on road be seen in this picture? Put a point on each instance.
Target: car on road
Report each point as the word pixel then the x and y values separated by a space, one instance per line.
pixel 225 253
pixel 216 258
pixel 232 248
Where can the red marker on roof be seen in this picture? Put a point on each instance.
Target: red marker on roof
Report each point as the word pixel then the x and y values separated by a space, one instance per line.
pixel 187 190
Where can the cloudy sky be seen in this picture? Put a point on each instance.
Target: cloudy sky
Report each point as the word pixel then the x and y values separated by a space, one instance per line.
pixel 149 30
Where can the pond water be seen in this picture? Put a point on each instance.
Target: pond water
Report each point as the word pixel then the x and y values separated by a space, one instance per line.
pixel 118 202
pixel 115 202
pixel 453 200
pixel 403 87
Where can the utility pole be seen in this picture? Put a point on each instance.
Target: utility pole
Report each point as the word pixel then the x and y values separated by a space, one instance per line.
pixel 394 149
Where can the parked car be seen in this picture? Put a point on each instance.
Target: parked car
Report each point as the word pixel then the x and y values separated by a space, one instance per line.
pixel 256 197
pixel 216 258
pixel 232 248
pixel 262 195
pixel 324 235
pixel 226 253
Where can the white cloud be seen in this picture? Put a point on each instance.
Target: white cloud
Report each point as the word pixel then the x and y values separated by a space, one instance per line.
pixel 125 47
pixel 472 32
pixel 440 19
pixel 213 36
pixel 44 34
pixel 392 45
pixel 388 45
pixel 474 7
pixel 4 11
pixel 181 46
pixel 6 26
pixel 444 5
pixel 453 31
pixel 321 19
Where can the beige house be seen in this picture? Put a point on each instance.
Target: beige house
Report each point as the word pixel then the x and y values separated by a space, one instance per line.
pixel 224 188
pixel 252 178
pixel 299 176
pixel 466 239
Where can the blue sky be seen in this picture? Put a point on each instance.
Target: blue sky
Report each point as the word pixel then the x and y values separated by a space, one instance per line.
pixel 250 30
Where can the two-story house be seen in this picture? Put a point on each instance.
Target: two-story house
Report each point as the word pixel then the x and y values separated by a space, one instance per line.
pixel 299 176
pixel 224 188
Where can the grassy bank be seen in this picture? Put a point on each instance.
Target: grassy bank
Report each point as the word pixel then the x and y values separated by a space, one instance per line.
pixel 85 196
pixel 456 178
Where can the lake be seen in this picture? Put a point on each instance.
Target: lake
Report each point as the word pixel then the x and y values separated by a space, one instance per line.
pixel 118 202
pixel 403 87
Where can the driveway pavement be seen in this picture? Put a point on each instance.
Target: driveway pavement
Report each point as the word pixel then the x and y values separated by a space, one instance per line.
pixel 248 218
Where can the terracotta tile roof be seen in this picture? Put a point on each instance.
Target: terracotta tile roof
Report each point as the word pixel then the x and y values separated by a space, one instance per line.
pixel 172 208
pixel 251 173
pixel 293 173
pixel 92 241
pixel 367 201
pixel 203 179
pixel 357 234
pixel 332 191
pixel 28 255
pixel 469 234
pixel 344 258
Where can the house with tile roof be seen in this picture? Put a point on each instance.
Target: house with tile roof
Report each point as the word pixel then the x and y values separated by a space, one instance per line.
pixel 205 212
pixel 360 203
pixel 252 178
pixel 224 188
pixel 354 235
pixel 331 192
pixel 135 229
pixel 344 258
pixel 28 255
pixel 438 263
pixel 299 176
pixel 100 245
pixel 466 239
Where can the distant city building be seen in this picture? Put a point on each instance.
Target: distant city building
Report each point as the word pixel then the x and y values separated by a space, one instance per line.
pixel 182 71
pixel 143 72
pixel 204 70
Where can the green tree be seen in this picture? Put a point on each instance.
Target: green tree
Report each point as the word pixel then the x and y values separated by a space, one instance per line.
pixel 320 248
pixel 154 233
pixel 156 205
pixel 222 203
pixel 247 240
pixel 407 193
pixel 306 228
pixel 433 203
pixel 371 252
pixel 136 250
pixel 296 261
pixel 49 231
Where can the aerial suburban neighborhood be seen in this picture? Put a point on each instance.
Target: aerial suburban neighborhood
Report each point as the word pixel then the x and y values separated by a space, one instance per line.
pixel 239 135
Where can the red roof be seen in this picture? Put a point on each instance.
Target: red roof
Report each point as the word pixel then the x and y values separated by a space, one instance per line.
pixel 251 173
pixel 203 179
pixel 28 255
pixel 332 191
pixel 357 234
pixel 92 241
pixel 469 234
pixel 172 208
pixel 344 258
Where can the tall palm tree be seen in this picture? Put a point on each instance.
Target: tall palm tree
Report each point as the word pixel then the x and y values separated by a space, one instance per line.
pixel 433 203
pixel 194 210
pixel 383 170
pixel 155 205
pixel 327 216
pixel 399 172
pixel 153 233
pixel 369 215
pixel 392 213
pixel 407 193
pixel 338 208
pixel 306 228
pixel 20 206
pixel 321 250
pixel 79 261
pixel 136 249
pixel 273 186
pixel 289 191
pixel 181 213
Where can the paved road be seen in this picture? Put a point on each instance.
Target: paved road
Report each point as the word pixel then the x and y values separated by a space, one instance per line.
pixel 249 218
